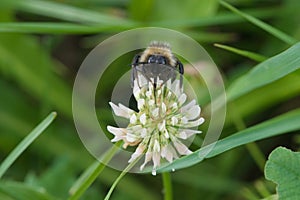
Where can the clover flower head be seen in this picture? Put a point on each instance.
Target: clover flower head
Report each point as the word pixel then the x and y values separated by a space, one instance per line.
pixel 163 121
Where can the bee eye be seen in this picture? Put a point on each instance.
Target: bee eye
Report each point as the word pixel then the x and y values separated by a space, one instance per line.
pixel 162 60
pixel 152 59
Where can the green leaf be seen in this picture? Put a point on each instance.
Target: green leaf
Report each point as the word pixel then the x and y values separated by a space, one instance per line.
pixel 266 72
pixel 33 70
pixel 268 28
pixel 69 13
pixel 20 191
pixel 91 174
pixel 221 18
pixel 56 28
pixel 62 167
pixel 279 125
pixel 176 10
pixel 18 150
pixel 248 54
pixel 282 168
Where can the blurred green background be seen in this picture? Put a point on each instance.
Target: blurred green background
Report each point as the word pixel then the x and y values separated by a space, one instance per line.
pixel 42 44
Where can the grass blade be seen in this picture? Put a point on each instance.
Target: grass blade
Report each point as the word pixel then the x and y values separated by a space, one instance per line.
pixel 69 13
pixel 18 150
pixel 266 27
pixel 56 28
pixel 221 18
pixel 266 72
pixel 20 191
pixel 90 175
pixel 279 125
pixel 248 54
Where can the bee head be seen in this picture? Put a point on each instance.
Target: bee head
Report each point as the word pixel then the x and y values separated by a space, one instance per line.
pixel 158 53
pixel 158 59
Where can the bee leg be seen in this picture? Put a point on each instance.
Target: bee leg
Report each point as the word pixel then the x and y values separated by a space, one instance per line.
pixel 134 63
pixel 181 71
pixel 136 59
pixel 133 76
pixel 180 67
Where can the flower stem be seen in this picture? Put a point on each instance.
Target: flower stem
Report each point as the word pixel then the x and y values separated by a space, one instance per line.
pixel 120 177
pixel 252 147
pixel 167 183
pixel 90 175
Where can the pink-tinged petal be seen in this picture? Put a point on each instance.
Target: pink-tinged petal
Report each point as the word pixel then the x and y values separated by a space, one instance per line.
pixel 189 132
pixel 174 121
pixel 156 146
pixel 182 99
pixel 155 112
pixel 184 120
pixel 148 157
pixel 168 83
pixel 135 128
pixel 194 123
pixel 117 131
pixel 142 81
pixel 174 106
pixel 121 110
pixel 151 102
pixel 182 135
pixel 163 108
pixel 126 109
pixel 143 119
pixel 140 103
pixel 148 94
pixel 156 159
pixel 162 126
pixel 139 150
pixel 167 136
pixel 130 137
pixel 143 133
pixel 133 119
pixel 167 152
pixel 193 112
pixel 181 148
pixel 176 88
pixel 117 138
pixel 188 106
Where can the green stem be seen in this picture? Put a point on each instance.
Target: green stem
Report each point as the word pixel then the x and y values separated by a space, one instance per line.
pixel 257 155
pixel 167 183
pixel 252 147
pixel 90 175
pixel 120 177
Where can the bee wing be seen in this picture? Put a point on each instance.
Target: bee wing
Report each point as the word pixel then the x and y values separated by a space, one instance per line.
pixel 138 75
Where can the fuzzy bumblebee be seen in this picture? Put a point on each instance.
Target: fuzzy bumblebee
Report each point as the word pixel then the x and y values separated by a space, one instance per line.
pixel 157 62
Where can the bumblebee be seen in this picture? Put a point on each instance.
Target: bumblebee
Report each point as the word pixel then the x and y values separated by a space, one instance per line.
pixel 157 62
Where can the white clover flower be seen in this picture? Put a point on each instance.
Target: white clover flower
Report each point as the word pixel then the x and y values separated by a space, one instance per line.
pixel 163 121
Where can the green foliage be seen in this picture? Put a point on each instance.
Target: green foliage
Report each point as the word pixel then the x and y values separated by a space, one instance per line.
pixel 25 143
pixel 266 72
pixel 248 54
pixel 279 125
pixel 19 191
pixel 268 28
pixel 43 42
pixel 282 168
